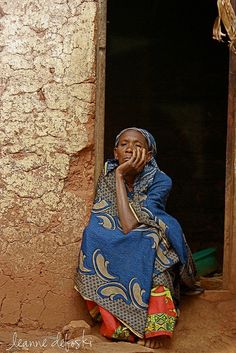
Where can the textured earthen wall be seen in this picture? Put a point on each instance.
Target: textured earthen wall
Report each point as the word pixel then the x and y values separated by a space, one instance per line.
pixel 47 160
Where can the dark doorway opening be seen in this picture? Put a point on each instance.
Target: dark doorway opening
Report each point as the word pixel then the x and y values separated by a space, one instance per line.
pixel 165 73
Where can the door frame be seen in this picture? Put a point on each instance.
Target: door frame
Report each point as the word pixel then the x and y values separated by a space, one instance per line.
pixel 101 26
pixel 229 263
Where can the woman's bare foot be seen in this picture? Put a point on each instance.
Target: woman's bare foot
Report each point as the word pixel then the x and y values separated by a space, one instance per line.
pixel 155 342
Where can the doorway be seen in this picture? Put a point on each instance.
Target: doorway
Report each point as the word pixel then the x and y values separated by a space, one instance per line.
pixel 164 72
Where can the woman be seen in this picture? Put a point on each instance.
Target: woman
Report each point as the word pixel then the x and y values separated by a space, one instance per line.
pixel 134 255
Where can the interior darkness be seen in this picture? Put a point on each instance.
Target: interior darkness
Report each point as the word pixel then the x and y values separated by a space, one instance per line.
pixel 165 73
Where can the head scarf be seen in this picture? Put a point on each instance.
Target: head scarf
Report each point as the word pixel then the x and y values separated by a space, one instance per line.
pixel 148 136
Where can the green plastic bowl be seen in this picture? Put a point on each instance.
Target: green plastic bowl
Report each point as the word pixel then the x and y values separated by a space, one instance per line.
pixel 205 261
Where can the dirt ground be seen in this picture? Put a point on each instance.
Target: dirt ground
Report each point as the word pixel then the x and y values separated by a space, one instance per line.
pixel 207 324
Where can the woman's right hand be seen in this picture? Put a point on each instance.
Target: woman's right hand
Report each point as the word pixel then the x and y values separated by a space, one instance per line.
pixel 135 164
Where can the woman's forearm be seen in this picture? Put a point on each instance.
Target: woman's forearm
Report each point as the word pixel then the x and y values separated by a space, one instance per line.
pixel 126 216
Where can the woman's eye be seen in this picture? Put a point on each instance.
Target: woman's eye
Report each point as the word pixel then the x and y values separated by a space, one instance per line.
pixel 138 146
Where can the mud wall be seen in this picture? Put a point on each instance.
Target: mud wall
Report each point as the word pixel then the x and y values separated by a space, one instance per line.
pixel 47 160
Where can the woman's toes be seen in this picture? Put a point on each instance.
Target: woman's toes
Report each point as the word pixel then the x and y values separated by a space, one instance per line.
pixel 141 342
pixel 153 343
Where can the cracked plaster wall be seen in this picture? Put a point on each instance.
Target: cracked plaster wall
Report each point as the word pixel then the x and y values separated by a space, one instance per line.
pixel 46 158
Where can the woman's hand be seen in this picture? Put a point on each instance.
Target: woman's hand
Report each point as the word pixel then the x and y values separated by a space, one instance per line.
pixel 130 169
pixel 135 164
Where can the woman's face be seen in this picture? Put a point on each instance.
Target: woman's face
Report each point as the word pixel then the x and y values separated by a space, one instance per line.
pixel 130 140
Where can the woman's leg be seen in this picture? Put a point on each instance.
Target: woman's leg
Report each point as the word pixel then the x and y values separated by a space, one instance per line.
pixel 162 317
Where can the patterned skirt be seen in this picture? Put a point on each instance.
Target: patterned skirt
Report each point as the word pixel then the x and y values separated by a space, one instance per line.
pixel 161 318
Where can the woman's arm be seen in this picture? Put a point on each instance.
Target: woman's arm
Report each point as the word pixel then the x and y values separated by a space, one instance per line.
pixel 131 167
pixel 126 216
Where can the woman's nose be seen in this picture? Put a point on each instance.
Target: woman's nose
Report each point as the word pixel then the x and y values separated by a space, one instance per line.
pixel 129 147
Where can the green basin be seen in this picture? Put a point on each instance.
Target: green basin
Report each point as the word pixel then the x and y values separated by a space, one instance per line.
pixel 205 261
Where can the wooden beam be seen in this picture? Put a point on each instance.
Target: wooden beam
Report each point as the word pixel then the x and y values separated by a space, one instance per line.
pixel 100 86
pixel 229 269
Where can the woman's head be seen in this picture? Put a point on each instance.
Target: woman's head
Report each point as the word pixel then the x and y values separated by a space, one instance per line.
pixel 148 136
pixel 134 138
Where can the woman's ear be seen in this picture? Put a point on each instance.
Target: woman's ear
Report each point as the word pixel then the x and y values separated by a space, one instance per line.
pixel 115 153
pixel 149 156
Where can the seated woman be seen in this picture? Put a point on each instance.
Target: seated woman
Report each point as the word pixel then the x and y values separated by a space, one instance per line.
pixel 134 256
